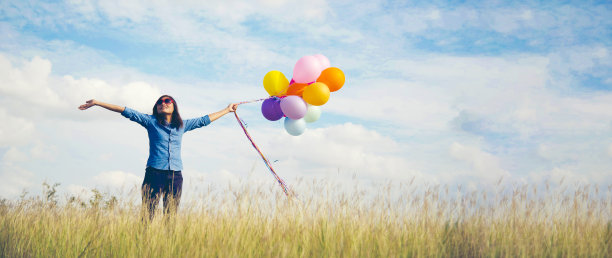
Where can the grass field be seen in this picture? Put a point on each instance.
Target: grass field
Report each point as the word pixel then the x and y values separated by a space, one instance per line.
pixel 386 220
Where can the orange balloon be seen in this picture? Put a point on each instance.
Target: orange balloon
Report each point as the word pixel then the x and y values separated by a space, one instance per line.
pixel 296 89
pixel 316 94
pixel 332 77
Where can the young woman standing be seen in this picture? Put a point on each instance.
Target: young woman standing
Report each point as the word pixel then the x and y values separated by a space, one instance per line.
pixel 165 128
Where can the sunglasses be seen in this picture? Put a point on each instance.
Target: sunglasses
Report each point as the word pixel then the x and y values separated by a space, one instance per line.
pixel 166 100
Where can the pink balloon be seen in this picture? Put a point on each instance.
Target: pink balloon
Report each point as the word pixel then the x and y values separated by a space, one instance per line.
pixel 293 107
pixel 323 61
pixel 306 70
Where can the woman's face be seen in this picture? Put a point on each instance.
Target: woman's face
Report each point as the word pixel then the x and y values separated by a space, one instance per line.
pixel 165 105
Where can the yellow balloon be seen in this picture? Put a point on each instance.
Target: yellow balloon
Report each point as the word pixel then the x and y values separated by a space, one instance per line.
pixel 316 94
pixel 274 82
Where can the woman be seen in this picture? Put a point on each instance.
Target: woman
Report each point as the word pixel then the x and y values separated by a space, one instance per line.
pixel 165 128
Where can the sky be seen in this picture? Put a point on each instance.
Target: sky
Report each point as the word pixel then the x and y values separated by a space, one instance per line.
pixel 437 92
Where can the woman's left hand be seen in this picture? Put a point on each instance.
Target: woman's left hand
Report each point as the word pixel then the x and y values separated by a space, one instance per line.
pixel 232 107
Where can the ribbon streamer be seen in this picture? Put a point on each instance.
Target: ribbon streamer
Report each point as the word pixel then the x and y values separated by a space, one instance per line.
pixel 278 179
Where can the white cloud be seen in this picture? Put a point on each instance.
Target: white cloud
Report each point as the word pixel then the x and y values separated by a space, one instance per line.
pixel 434 89
pixel 474 73
pixel 509 94
pixel 546 151
pixel 563 176
pixel 138 95
pixel 29 83
pixel 41 151
pixel 117 179
pixel 33 91
pixel 412 106
pixel 214 29
pixel 346 148
pixel 15 131
pixel 224 11
pixel 79 191
pixel 432 98
pixel 509 20
pixel 592 60
pixel 560 21
pixel 194 177
pixel 417 20
pixel 14 179
pixel 13 155
pixel 484 165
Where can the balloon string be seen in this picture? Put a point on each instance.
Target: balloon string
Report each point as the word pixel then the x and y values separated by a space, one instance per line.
pixel 280 181
pixel 251 101
pixel 284 92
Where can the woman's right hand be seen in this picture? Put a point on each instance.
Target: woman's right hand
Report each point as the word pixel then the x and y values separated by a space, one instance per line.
pixel 88 104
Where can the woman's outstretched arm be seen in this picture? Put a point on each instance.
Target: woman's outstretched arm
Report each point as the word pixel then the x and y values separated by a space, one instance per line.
pixel 93 102
pixel 142 119
pixel 191 124
pixel 220 113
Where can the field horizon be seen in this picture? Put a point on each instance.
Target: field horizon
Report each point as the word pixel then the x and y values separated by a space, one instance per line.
pixel 387 220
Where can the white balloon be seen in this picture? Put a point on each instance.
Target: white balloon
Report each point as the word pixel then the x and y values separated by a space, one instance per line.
pixel 312 114
pixel 295 127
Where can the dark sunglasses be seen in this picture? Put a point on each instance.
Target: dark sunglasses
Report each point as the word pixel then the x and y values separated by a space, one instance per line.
pixel 166 100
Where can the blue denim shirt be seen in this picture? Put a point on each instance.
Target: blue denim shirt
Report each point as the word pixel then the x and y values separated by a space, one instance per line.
pixel 164 140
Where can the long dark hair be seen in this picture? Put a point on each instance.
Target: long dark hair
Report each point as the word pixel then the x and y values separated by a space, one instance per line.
pixel 177 121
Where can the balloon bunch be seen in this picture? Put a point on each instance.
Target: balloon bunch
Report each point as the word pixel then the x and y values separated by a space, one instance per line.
pixel 299 100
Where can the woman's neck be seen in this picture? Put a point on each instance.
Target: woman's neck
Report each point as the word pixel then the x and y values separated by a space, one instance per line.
pixel 168 118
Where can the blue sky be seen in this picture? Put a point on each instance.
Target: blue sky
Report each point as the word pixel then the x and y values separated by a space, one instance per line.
pixel 448 92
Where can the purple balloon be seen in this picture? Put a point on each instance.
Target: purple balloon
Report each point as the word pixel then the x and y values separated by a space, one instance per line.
pixel 271 109
pixel 293 107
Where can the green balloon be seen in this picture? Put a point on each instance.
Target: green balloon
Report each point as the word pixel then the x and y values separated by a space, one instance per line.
pixel 312 114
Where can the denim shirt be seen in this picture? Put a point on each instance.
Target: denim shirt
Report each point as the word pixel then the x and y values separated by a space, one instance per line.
pixel 164 140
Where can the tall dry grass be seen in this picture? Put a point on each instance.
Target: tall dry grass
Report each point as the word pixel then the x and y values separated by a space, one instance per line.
pixel 387 220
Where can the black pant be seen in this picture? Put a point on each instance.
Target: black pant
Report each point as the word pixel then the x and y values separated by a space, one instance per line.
pixel 168 183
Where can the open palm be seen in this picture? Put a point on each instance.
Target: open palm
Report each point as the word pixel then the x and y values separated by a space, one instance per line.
pixel 88 104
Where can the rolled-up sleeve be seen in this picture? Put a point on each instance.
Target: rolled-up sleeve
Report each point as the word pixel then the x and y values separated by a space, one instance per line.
pixel 195 123
pixel 136 116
